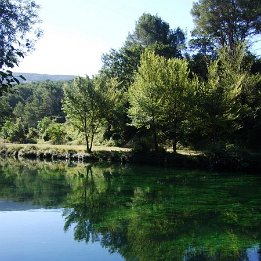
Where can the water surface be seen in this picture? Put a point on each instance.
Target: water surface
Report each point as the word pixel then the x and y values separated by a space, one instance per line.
pixel 54 211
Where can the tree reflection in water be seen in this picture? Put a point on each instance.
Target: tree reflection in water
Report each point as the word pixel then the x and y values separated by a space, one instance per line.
pixel 165 217
pixel 146 213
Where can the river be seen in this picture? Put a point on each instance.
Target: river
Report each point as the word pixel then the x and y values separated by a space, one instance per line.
pixel 62 211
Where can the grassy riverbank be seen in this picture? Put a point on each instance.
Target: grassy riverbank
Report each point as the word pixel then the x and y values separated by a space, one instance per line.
pixel 232 161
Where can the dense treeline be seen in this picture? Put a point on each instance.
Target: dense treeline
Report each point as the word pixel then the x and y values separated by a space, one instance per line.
pixel 29 110
pixel 154 92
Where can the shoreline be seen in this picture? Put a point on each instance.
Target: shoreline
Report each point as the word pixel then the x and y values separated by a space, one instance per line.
pixel 217 162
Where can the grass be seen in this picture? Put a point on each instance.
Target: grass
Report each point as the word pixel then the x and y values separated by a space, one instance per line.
pixel 77 148
pixel 82 148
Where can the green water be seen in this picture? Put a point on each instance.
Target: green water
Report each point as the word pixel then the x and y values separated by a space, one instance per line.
pixel 105 212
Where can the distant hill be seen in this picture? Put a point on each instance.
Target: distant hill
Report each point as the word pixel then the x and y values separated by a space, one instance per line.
pixel 37 77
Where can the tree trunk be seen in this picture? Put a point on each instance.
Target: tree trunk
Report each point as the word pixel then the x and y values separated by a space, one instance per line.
pixel 91 142
pixel 88 149
pixel 174 145
pixel 174 138
pixel 156 145
pixel 155 138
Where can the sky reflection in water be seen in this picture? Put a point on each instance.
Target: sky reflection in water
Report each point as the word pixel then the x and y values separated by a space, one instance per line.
pixel 56 212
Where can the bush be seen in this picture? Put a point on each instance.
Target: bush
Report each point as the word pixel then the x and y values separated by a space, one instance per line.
pixel 13 131
pixel 55 133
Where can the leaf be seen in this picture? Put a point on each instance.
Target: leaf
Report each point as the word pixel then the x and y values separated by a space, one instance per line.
pixel 20 54
pixel 22 77
pixel 3 74
pixel 16 80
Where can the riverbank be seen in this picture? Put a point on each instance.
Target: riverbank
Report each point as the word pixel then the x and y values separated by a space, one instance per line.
pixel 225 161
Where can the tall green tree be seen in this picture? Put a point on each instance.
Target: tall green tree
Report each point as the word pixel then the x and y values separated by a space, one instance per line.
pixel 82 105
pixel 14 131
pixel 224 98
pixel 151 30
pixel 225 22
pixel 146 94
pixel 122 64
pixel 160 96
pixel 18 31
pixel 179 99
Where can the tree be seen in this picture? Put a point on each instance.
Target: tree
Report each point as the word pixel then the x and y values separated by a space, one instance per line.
pixel 122 64
pixel 178 102
pixel 55 133
pixel 82 105
pixel 43 125
pixel 114 108
pixel 151 30
pixel 5 110
pixel 13 131
pixel 160 96
pixel 225 22
pixel 224 99
pixel 18 32
pixel 146 94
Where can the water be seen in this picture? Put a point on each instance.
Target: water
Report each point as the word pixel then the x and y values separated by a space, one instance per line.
pixel 106 212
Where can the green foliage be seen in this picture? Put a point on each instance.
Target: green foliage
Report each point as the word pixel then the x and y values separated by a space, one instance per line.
pixel 224 99
pixel 122 64
pixel 151 30
pixel 83 105
pixel 18 31
pixel 55 133
pixel 113 108
pixel 34 101
pixel 14 131
pixel 198 65
pixel 32 135
pixel 50 130
pixel 5 110
pixel 146 94
pixel 43 125
pixel 161 96
pixel 178 101
pixel 225 23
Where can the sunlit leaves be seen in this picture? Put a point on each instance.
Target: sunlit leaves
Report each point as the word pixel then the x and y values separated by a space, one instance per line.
pixel 82 104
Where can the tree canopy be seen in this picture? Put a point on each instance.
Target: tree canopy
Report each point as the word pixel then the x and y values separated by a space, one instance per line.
pixel 82 105
pixel 160 96
pixel 18 31
pixel 225 22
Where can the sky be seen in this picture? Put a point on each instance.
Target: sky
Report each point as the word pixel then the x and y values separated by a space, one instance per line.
pixel 78 32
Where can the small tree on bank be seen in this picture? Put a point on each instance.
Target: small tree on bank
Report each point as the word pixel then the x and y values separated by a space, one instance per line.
pixel 82 105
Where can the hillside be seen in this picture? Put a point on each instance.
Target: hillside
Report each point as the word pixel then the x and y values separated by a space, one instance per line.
pixel 37 77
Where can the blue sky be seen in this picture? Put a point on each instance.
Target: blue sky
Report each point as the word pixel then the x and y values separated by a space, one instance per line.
pixel 78 32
